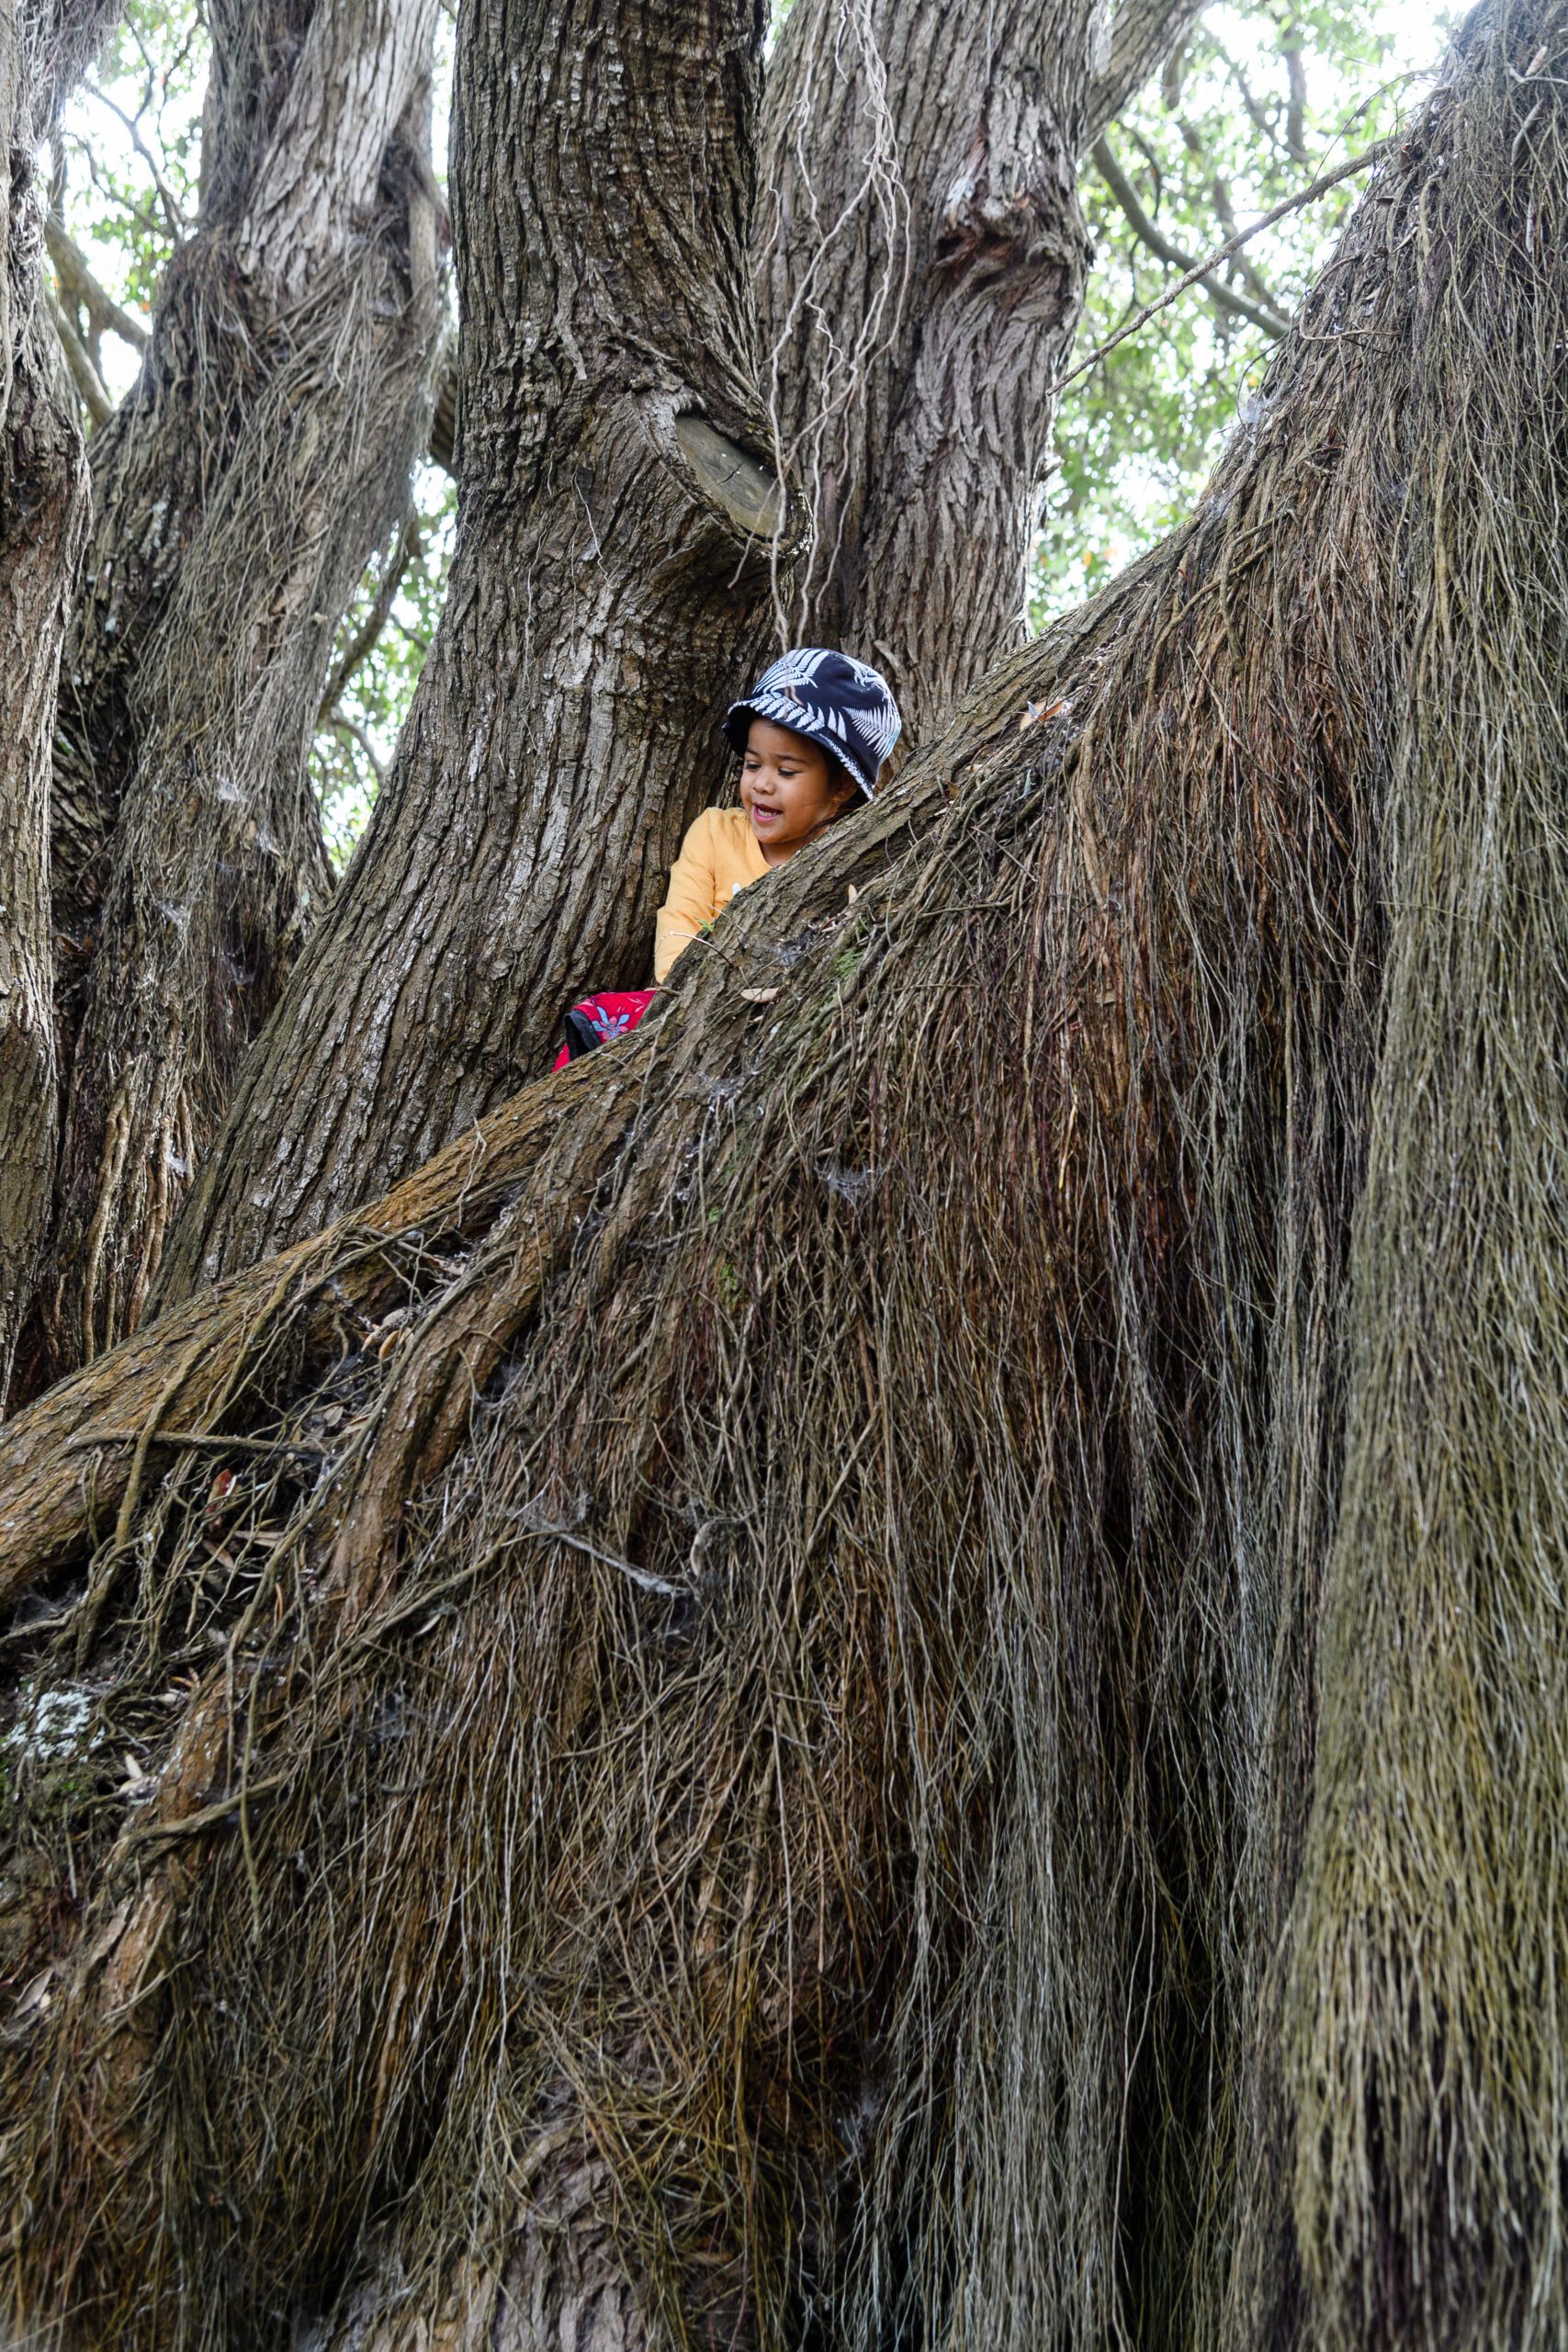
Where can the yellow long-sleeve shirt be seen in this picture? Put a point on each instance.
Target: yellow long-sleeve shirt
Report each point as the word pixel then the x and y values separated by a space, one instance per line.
pixel 720 855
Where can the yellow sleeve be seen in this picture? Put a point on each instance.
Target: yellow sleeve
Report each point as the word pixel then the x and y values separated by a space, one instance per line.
pixel 692 899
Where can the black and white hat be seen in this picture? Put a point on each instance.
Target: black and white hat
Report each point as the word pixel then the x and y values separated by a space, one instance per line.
pixel 843 704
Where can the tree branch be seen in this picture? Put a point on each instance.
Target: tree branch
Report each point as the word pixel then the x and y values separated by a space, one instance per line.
pixel 374 622
pixel 174 212
pixel 1295 117
pixel 144 217
pixel 1256 113
pixel 1225 297
pixel 1320 186
pixel 76 279
pixel 444 421
pixel 1146 33
pixel 341 725
pixel 1224 211
pixel 84 375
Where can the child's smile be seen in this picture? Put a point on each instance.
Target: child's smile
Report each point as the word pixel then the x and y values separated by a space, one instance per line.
pixel 788 788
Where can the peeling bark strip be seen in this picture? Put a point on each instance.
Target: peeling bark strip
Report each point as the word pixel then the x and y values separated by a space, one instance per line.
pixel 560 2283
pixel 610 583
pixel 261 456
pixel 43 515
pixel 922 256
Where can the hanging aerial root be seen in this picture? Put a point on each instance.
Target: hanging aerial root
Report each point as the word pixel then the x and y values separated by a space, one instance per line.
pixel 777 1728
pixel 224 1360
pixel 1429 2010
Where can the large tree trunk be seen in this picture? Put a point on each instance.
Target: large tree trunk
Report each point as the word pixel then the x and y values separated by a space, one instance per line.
pixel 262 454
pixel 734 1668
pixel 43 514
pixel 451 1012
pixel 610 582
pixel 922 256
pixel 1429 2012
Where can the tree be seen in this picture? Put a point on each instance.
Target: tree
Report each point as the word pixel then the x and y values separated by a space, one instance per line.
pixel 42 517
pixel 719 1699
pixel 1220 134
pixel 611 571
pixel 922 256
pixel 495 795
pixel 238 491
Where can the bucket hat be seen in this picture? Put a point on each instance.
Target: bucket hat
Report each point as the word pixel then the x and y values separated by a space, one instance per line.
pixel 843 704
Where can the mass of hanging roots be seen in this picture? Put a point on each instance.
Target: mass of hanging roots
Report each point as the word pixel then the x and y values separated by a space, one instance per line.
pixel 715 1728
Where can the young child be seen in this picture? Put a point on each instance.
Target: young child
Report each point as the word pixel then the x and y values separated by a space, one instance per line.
pixel 812 736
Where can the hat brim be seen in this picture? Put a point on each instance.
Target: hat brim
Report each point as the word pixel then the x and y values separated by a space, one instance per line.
pixel 735 726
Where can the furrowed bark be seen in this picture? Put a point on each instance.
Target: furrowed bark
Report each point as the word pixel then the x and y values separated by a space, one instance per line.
pixel 451 1012
pixel 455 1236
pixel 561 2285
pixel 922 253
pixel 261 456
pixel 197 1366
pixel 43 515
pixel 610 583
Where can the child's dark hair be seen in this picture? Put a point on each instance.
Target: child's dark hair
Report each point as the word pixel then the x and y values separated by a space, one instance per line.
pixel 837 777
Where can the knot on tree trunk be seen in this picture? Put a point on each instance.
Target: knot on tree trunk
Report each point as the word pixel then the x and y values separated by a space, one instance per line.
pixel 1013 203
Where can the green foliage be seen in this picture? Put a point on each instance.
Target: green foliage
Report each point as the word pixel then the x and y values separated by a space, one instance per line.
pixel 130 170
pixel 1262 98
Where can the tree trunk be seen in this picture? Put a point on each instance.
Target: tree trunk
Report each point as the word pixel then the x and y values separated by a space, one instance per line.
pixel 614 745
pixel 609 584
pixel 261 456
pixel 922 257
pixel 762 1613
pixel 43 515
pixel 561 2284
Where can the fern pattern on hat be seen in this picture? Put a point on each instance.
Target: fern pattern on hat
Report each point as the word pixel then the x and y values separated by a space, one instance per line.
pixel 835 701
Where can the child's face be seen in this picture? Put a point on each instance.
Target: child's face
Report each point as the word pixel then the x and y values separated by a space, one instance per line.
pixel 787 789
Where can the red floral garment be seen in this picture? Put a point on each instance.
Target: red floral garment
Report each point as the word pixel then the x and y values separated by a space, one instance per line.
pixel 600 1020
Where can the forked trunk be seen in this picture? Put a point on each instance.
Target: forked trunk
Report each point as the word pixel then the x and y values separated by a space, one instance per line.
pixel 611 578
pixel 603 608
pixel 239 489
pixel 922 257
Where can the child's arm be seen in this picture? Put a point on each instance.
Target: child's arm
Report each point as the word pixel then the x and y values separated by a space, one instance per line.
pixel 691 900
